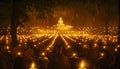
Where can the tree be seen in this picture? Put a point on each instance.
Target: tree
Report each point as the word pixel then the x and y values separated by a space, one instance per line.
pixel 44 7
pixel 18 7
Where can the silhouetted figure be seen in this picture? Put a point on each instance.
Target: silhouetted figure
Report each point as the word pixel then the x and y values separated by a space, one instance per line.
pixel 103 62
pixel 74 62
pixel 2 60
pixel 9 60
pixel 19 63
pixel 57 60
pixel 116 60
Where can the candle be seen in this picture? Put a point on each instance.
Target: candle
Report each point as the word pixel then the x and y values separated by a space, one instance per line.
pixel 82 65
pixel 32 66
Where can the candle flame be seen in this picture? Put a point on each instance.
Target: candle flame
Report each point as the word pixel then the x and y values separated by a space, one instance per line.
pixel 7 47
pixel 82 64
pixel 19 53
pixel 43 53
pixel 102 54
pixel 74 54
pixel 33 65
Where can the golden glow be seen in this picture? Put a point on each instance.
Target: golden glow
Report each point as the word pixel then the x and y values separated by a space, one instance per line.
pixel 33 66
pixel 35 45
pixel 19 45
pixel 84 46
pixel 7 47
pixel 82 65
pixel 45 58
pixel 43 53
pixel 61 26
pixel 102 54
pixel 104 47
pixel 74 54
pixel 118 46
pixel 66 43
pixel 19 53
pixel 60 21
pixel 116 49
pixel 95 45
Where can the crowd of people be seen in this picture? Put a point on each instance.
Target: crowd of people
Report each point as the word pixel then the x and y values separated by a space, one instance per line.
pixel 58 58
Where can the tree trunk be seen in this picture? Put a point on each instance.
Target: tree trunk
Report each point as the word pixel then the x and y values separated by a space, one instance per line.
pixel 14 20
pixel 119 26
pixel 119 33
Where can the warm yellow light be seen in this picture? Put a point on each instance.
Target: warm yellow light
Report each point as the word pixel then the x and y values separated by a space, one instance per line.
pixel 74 54
pixel 43 54
pixel 116 49
pixel 104 47
pixel 82 65
pixel 45 58
pixel 19 53
pixel 7 47
pixel 35 45
pixel 95 45
pixel 48 49
pixel 19 45
pixel 84 46
pixel 33 66
pixel 118 46
pixel 102 54
pixel 61 26
pixel 68 46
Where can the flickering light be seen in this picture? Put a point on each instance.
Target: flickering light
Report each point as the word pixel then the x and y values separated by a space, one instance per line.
pixel 102 54
pixel 82 65
pixel 116 49
pixel 19 53
pixel 74 54
pixel 68 46
pixel 45 58
pixel 19 45
pixel 7 47
pixel 95 45
pixel 118 46
pixel 84 46
pixel 35 45
pixel 33 66
pixel 43 53
pixel 104 47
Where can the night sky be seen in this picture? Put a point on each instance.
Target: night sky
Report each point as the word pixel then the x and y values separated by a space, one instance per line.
pixel 74 12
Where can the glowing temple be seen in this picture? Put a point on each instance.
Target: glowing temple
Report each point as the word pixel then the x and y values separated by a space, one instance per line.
pixel 61 26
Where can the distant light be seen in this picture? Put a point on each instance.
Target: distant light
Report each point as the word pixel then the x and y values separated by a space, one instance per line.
pixel 102 54
pixel 74 54
pixel 104 47
pixel 43 53
pixel 116 49
pixel 7 47
pixel 19 53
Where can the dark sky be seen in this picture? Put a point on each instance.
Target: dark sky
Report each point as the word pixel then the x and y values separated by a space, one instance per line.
pixel 74 12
